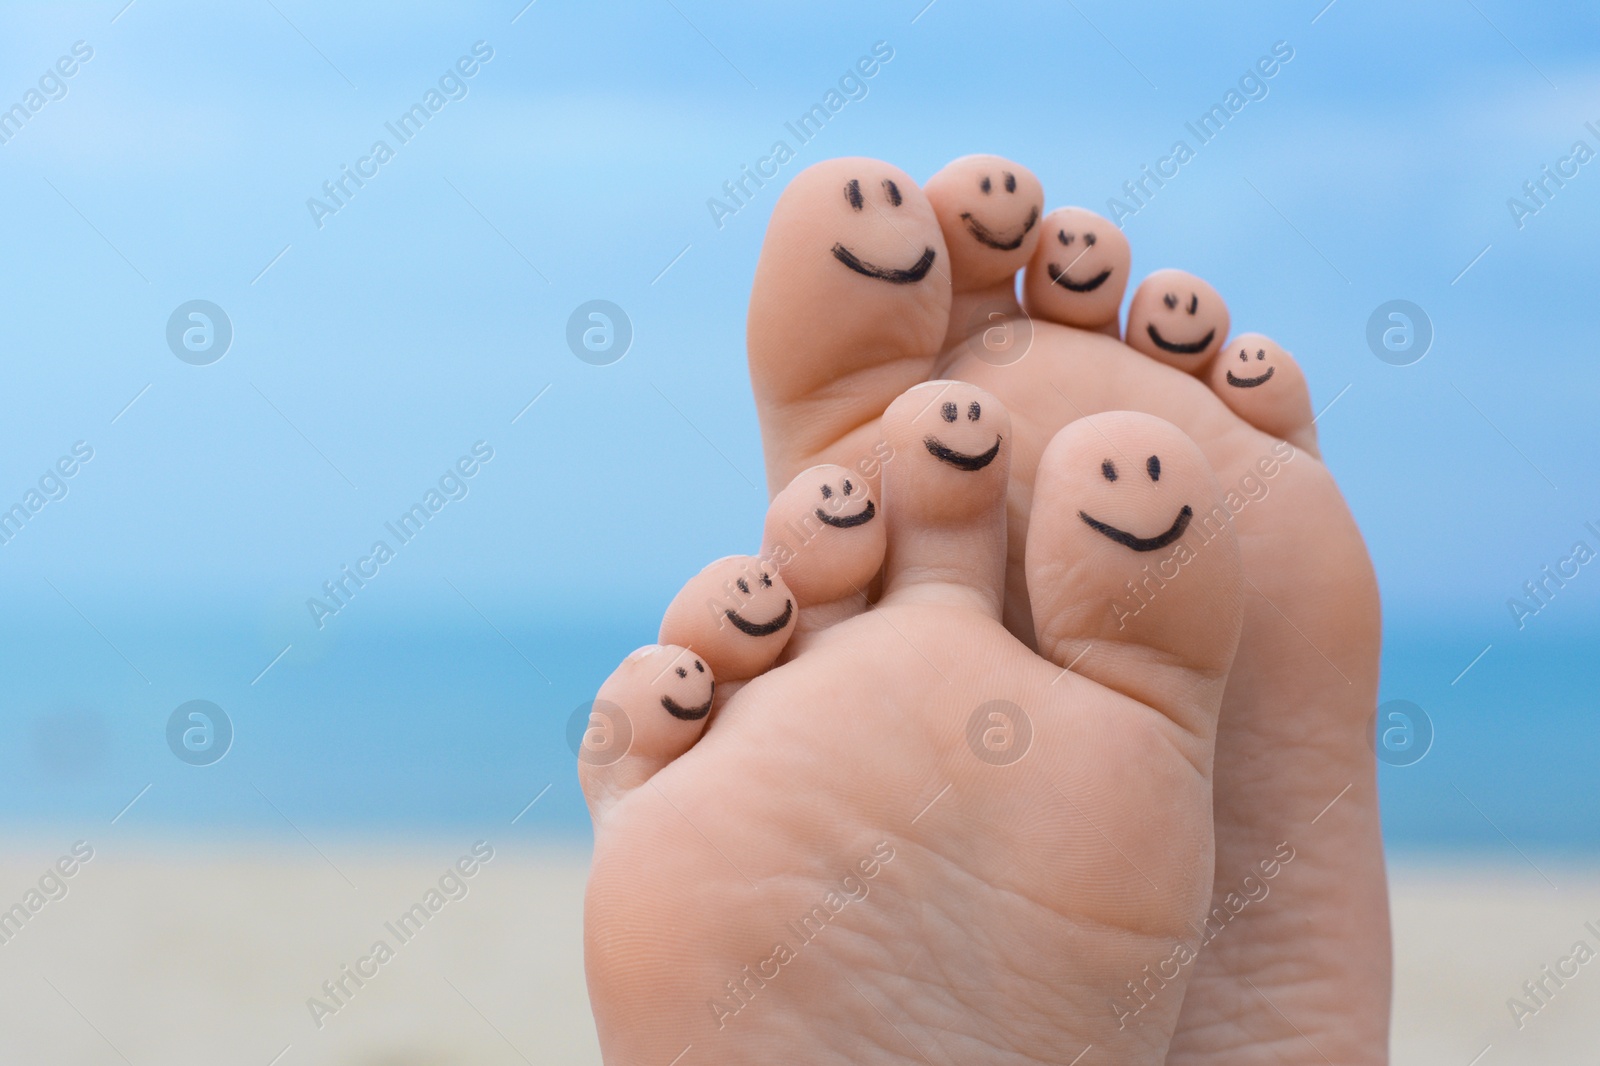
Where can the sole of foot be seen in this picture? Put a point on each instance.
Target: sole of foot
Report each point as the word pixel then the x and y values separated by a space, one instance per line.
pixel 907 836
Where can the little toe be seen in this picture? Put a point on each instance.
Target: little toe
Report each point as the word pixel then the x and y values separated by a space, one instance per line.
pixel 849 305
pixel 1079 272
pixel 1179 319
pixel 944 493
pixel 649 711
pixel 1132 565
pixel 1264 385
pixel 737 614
pixel 826 536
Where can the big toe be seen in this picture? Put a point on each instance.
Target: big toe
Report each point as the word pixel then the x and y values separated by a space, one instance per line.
pixel 848 309
pixel 1132 565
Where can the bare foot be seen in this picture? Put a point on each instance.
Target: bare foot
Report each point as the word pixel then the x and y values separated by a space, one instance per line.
pixel 918 840
pixel 859 296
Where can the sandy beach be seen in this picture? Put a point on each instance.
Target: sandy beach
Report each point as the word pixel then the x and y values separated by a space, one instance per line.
pixel 171 955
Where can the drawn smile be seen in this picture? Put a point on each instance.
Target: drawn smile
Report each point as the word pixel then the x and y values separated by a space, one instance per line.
pixel 987 236
pixel 1191 348
pixel 1250 383
pixel 1059 277
pixel 761 629
pixel 894 275
pixel 689 714
pixel 1141 544
pixel 860 518
pixel 960 460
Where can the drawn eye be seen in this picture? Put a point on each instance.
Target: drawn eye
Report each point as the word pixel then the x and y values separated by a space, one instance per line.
pixel 894 193
pixel 948 412
pixel 744 586
pixel 1152 466
pixel 984 185
pixel 827 490
pixel 848 488
pixel 681 672
pixel 1108 471
pixel 1088 238
pixel 974 412
pixel 1194 303
pixel 1170 300
pixel 699 667
pixel 766 582
pixel 1261 353
pixel 1063 236
pixel 852 194
pixel 1244 356
pixel 1011 183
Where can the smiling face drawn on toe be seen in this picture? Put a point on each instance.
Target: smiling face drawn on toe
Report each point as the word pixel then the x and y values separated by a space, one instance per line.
pixel 989 209
pixel 1152 469
pixel 1190 305
pixel 757 597
pixel 1177 314
pixel 950 411
pixel 822 533
pixel 1078 275
pixel 1005 236
pixel 1086 242
pixel 686 681
pixel 829 513
pixel 1247 382
pixel 1262 384
pixel 889 197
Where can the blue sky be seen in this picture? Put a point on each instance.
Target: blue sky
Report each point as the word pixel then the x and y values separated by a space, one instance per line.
pixel 372 352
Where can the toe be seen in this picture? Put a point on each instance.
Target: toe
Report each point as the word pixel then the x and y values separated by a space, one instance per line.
pixel 1132 565
pixel 1079 272
pixel 944 492
pixel 649 711
pixel 849 305
pixel 737 614
pixel 1179 319
pixel 826 536
pixel 989 210
pixel 1264 385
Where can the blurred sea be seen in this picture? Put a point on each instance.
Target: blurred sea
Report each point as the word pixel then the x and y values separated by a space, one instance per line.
pixel 458 722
